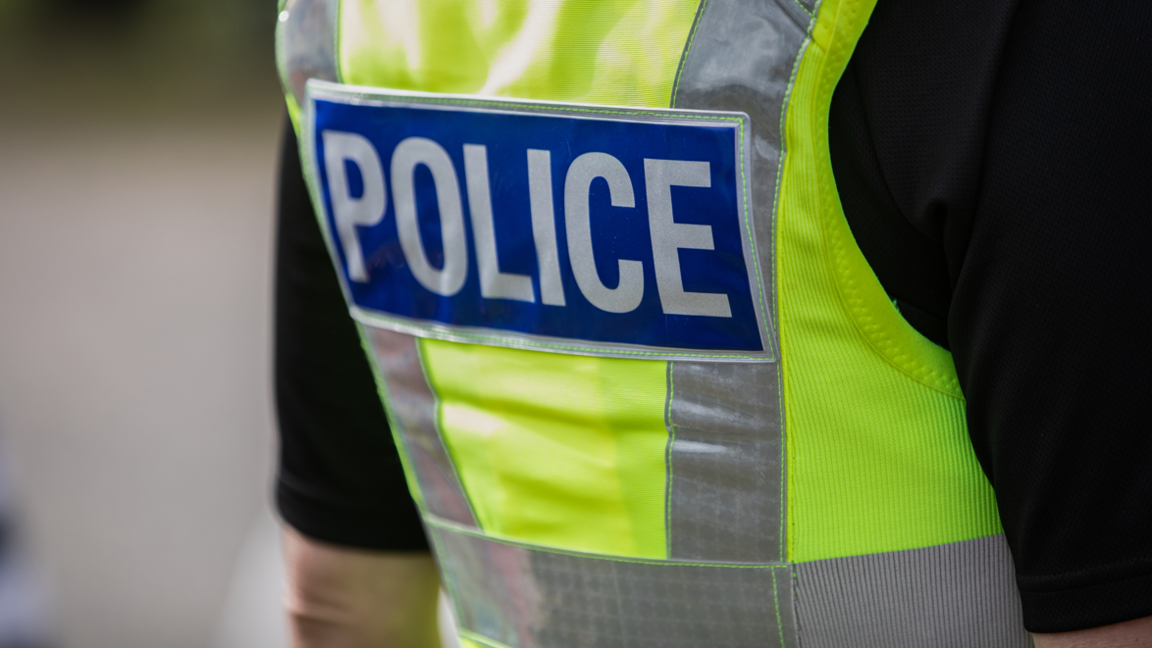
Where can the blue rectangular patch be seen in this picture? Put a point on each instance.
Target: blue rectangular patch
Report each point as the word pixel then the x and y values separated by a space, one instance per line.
pixel 580 229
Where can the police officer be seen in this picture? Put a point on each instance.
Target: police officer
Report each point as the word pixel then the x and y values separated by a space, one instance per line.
pixel 726 323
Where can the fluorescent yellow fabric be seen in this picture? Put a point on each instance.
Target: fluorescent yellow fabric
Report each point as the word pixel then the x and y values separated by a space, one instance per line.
pixel 878 452
pixel 622 52
pixel 558 450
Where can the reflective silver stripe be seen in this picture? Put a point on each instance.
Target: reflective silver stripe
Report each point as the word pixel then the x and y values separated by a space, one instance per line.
pixel 306 44
pixel 528 598
pixel 741 56
pixel 725 463
pixel 959 595
pixel 413 407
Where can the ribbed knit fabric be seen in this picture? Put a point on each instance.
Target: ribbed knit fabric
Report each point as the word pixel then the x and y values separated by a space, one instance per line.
pixel 958 595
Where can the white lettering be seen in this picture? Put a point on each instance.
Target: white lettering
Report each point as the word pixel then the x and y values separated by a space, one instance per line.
pixel 626 296
pixel 544 226
pixel 348 212
pixel 409 154
pixel 493 283
pixel 669 237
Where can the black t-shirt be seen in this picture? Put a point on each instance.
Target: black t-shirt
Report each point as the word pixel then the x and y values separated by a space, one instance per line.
pixel 993 158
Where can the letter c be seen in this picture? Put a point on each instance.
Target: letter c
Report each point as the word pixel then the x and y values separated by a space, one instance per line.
pixel 626 296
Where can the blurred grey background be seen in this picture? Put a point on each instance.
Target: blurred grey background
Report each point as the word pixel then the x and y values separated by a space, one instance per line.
pixel 138 145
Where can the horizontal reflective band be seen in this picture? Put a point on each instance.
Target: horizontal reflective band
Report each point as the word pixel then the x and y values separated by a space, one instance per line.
pixel 958 595
pixel 525 598
pixel 574 229
pixel 413 407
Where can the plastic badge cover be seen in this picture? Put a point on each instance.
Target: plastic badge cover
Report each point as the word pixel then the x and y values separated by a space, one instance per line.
pixel 559 227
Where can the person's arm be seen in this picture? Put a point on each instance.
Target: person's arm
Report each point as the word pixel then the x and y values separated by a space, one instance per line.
pixel 360 571
pixel 1130 634
pixel 340 597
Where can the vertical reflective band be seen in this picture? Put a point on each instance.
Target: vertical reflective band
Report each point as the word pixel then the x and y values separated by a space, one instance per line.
pixel 519 597
pixel 306 44
pixel 740 58
pixel 413 407
pixel 725 466
pixel 956 595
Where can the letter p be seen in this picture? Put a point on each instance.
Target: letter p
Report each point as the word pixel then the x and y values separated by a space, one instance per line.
pixel 348 212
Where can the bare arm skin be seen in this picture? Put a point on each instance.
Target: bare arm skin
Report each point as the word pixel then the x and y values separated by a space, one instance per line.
pixel 1130 634
pixel 351 598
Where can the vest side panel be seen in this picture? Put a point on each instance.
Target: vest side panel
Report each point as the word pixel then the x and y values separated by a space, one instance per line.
pixel 557 450
pixel 621 52
pixel 865 397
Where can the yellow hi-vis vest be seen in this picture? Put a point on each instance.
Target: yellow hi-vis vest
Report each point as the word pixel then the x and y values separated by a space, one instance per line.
pixel 822 494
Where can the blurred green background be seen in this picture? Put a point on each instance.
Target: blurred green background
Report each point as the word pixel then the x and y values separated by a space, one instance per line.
pixel 138 149
pixel 162 55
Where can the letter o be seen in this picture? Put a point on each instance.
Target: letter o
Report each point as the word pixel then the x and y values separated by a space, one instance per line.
pixel 409 154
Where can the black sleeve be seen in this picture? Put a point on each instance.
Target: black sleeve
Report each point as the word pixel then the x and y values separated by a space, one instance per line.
pixel 994 159
pixel 340 479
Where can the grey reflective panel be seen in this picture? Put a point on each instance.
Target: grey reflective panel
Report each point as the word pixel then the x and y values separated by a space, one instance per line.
pixel 525 598
pixel 959 595
pixel 741 57
pixel 726 468
pixel 725 465
pixel 306 44
pixel 413 407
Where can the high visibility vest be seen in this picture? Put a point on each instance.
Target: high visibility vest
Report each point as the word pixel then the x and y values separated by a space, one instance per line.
pixel 814 487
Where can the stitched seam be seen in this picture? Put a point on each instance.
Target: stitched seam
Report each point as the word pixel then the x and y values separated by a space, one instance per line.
pixel 444 525
pixel 804 9
pixel 775 213
pixel 668 459
pixel 748 225
pixel 794 577
pixel 776 602
pixel 688 49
